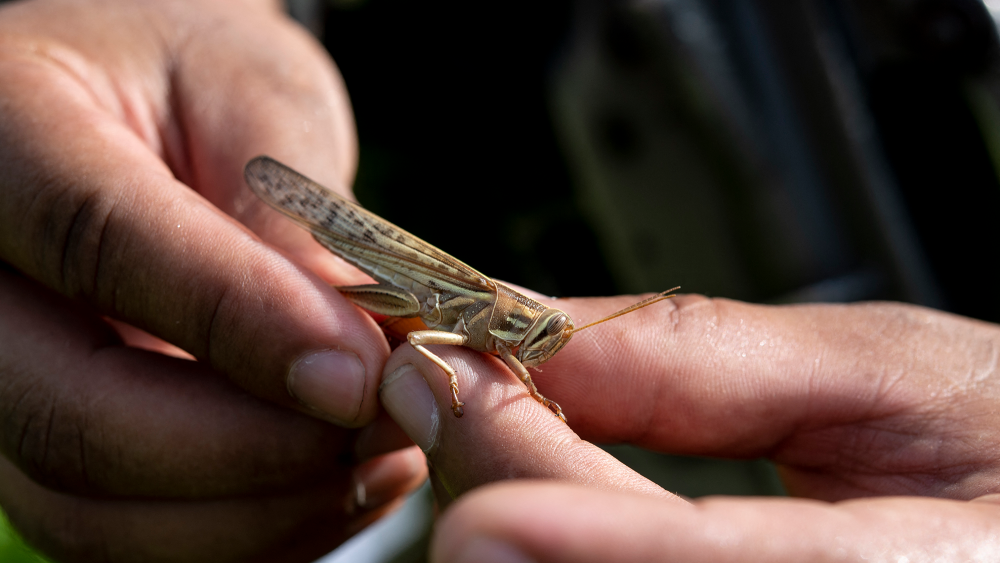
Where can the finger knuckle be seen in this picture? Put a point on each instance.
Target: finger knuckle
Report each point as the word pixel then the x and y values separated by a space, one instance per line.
pixel 45 439
pixel 69 225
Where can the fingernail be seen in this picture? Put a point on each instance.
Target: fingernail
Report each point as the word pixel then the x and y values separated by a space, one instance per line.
pixel 331 382
pixel 489 550
pixel 407 398
pixel 379 480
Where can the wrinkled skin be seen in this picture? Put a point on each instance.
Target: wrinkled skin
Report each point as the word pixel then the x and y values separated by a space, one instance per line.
pixel 883 420
pixel 129 245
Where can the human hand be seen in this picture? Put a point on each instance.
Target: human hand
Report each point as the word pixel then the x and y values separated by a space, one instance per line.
pixel 885 414
pixel 124 128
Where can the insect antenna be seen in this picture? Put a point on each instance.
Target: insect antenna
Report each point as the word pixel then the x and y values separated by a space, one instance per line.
pixel 644 303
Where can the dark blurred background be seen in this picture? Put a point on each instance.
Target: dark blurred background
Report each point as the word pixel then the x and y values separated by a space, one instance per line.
pixel 760 150
pixel 777 152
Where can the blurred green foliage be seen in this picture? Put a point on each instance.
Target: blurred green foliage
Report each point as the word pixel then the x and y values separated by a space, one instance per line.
pixel 12 547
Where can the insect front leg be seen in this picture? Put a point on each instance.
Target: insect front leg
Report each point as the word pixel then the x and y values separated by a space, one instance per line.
pixel 522 372
pixel 418 338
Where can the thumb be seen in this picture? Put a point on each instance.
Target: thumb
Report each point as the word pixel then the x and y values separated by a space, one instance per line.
pixel 504 433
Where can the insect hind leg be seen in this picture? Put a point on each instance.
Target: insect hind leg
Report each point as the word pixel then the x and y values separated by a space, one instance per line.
pixel 418 338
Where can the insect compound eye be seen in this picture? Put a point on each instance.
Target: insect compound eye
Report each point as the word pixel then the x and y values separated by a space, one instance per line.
pixel 556 325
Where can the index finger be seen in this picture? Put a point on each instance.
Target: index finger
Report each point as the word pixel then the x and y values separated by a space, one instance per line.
pixel 652 376
pixel 503 434
pixel 88 209
pixel 874 390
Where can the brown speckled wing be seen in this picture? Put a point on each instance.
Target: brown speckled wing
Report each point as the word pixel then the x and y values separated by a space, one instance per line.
pixel 356 235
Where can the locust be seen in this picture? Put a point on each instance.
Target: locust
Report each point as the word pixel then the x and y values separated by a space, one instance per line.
pixel 457 305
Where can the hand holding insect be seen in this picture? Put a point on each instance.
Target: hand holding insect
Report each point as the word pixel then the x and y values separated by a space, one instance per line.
pixel 459 306
pixel 124 129
pixel 846 399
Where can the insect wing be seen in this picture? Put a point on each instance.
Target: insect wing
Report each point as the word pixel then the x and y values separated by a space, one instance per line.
pixel 360 237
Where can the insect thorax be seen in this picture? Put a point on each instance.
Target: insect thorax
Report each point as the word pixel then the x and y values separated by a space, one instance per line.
pixel 513 314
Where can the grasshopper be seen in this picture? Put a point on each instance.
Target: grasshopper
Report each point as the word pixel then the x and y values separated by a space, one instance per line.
pixel 458 305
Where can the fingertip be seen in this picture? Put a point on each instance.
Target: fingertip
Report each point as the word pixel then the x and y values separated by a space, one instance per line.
pixel 504 433
pixel 294 340
pixel 407 397
pixel 330 383
pixel 509 520
pixel 554 521
pixel 385 478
